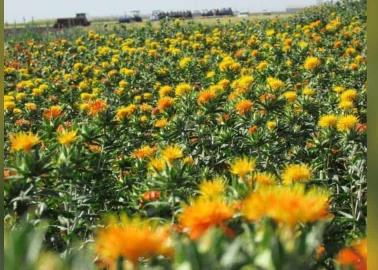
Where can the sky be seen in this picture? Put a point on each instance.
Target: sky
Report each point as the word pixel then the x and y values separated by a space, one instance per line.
pixel 20 10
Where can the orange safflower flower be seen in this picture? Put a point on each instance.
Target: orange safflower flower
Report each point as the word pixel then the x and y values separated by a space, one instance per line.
pixel 96 107
pixel 164 103
pixel 320 250
pixel 94 148
pixel 355 256
pixel 288 205
pixel 252 129
pixel 205 96
pixel 8 173
pixel 204 214
pixel 244 106
pixel 52 112
pixel 267 97
pixel 225 117
pixel 132 239
pixel 361 128
pixel 155 111
pixel 22 122
pixel 152 195
pixel 143 152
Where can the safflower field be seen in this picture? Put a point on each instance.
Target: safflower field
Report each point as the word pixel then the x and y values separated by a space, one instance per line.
pixel 190 145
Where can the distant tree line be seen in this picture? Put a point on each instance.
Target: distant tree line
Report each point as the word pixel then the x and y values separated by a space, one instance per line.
pixel 218 12
pixel 188 14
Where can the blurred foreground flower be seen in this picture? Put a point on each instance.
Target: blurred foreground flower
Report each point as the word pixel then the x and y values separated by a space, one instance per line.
pixel 354 256
pixel 203 214
pixel 288 205
pixel 133 240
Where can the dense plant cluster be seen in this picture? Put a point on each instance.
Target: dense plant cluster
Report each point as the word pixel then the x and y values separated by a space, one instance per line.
pixel 191 146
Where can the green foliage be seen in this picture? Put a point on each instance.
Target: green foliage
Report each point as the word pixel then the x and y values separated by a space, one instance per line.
pixel 92 76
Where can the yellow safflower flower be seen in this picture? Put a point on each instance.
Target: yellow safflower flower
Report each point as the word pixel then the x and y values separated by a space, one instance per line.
pixel 262 66
pixel 67 137
pixel 290 96
pixel 125 111
pixel 23 141
pixel 287 205
pixel 348 95
pixel 275 83
pixel 156 164
pixel 171 153
pixel 327 121
pixel 271 125
pixel 311 63
pixel 346 122
pixel 307 91
pixel 161 123
pixel 211 189
pixel 346 104
pixel 264 178
pixel 296 172
pixel 242 166
pixel 206 95
pixel 183 88
pixel 143 152
pixel 9 105
pixel 244 106
pixel 338 89
pixel 31 106
pixel 184 62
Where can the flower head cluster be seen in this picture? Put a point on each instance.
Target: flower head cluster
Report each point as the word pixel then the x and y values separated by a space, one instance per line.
pixel 288 205
pixel 208 210
pixel 132 239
